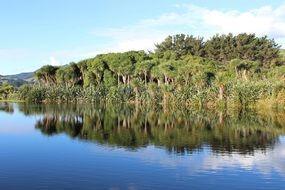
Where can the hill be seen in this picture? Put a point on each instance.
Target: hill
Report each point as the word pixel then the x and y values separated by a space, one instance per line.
pixel 18 79
pixel 29 76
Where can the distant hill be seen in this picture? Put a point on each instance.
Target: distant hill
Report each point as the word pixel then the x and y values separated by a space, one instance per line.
pixel 18 79
pixel 23 76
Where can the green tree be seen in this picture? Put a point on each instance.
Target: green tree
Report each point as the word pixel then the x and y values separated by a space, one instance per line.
pixel 5 90
pixel 144 68
pixel 181 45
pixel 70 75
pixel 47 75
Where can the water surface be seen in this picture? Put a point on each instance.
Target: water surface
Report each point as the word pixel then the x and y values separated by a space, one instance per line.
pixel 123 147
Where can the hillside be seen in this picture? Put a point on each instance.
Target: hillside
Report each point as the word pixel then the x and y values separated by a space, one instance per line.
pixel 29 76
pixel 18 79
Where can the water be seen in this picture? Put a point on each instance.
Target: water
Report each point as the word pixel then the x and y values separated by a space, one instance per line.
pixel 114 147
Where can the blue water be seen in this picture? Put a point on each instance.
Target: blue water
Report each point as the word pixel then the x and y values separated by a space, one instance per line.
pixel 30 159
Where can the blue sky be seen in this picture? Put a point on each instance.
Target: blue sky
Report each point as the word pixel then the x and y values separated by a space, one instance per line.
pixel 38 32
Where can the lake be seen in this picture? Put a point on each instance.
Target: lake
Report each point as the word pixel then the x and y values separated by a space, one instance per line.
pixel 127 147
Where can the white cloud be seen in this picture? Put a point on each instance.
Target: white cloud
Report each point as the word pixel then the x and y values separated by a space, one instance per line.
pixel 138 37
pixel 196 20
pixel 262 21
pixel 52 61
pixel 187 19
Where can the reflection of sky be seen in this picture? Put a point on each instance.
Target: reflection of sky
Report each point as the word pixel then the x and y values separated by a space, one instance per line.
pixel 33 160
pixel 16 123
pixel 260 170
pixel 265 163
pixel 205 161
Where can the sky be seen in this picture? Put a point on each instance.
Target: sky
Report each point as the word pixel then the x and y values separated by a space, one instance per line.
pixel 34 33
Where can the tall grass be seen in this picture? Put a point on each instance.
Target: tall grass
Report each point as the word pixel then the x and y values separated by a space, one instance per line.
pixel 246 94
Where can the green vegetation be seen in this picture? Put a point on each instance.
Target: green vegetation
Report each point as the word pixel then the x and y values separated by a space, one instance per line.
pixel 224 71
pixel 282 52
pixel 6 90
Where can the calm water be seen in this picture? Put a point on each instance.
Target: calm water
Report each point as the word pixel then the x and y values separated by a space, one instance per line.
pixel 113 147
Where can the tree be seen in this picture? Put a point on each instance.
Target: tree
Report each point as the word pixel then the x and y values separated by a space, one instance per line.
pixel 109 79
pixel 82 65
pixel 70 75
pixel 156 75
pixel 144 68
pixel 136 83
pixel 169 71
pixel 223 48
pixel 47 74
pixel 181 45
pixel 5 90
pixel 97 66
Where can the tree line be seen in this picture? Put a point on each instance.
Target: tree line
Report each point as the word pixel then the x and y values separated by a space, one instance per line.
pixel 182 66
pixel 177 56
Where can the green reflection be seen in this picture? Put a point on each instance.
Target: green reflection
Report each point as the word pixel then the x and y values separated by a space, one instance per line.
pixel 179 131
pixel 6 107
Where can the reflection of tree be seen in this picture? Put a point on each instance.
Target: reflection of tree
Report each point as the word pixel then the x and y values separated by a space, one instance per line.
pixel 53 124
pixel 6 107
pixel 178 131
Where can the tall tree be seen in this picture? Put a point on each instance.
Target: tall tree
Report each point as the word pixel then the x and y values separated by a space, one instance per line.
pixel 181 45
pixel 144 68
pixel 70 75
pixel 47 74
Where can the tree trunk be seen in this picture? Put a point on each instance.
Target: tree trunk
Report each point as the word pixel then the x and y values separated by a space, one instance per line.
pixel 124 79
pixel 244 75
pixel 221 92
pixel 221 117
pixel 158 82
pixel 128 80
pixel 137 96
pixel 125 123
pixel 165 79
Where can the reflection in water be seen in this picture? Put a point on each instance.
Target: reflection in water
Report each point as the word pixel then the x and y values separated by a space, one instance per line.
pixel 179 131
pixel 6 107
pixel 274 159
pixel 174 149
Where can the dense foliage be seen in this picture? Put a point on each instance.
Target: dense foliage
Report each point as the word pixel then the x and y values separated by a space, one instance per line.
pixel 225 70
